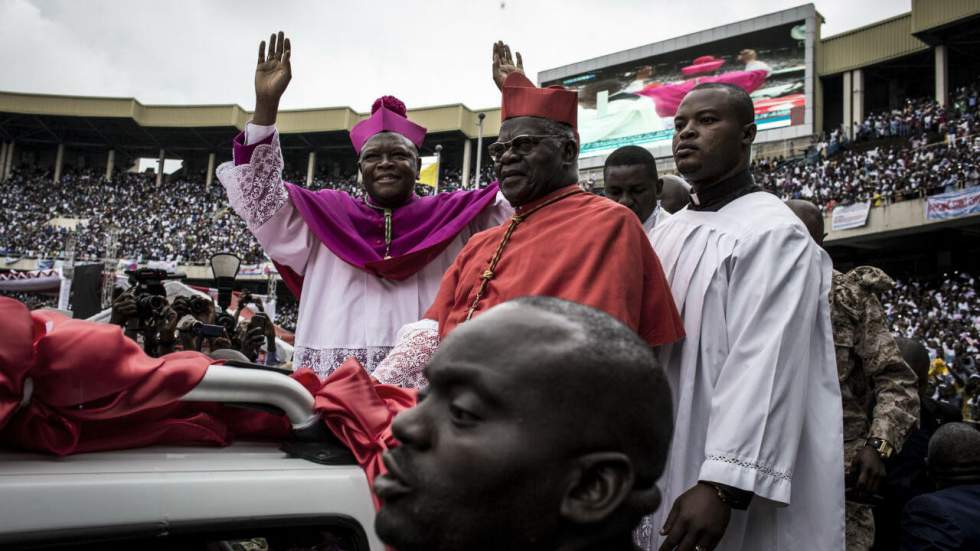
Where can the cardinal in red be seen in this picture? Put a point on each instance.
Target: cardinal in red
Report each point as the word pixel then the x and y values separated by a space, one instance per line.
pixel 561 241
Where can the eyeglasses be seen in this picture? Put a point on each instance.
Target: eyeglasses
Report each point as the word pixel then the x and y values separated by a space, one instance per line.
pixel 520 145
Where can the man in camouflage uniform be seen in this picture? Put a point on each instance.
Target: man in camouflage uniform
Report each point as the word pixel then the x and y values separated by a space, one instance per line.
pixel 879 390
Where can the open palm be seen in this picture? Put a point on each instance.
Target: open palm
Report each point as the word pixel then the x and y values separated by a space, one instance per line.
pixel 504 64
pixel 273 71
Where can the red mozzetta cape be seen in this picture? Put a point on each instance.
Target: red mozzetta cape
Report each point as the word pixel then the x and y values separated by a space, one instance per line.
pixel 583 248
pixel 92 389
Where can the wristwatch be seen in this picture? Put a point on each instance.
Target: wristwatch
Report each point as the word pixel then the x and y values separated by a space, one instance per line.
pixel 884 449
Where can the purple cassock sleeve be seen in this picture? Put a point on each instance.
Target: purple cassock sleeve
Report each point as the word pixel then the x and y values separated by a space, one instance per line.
pixel 241 153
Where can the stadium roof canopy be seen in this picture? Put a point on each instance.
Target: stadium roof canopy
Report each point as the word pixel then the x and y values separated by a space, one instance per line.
pixel 125 123
pixel 955 23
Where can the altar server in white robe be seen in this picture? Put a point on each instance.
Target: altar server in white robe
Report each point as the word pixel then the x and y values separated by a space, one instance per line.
pixel 756 462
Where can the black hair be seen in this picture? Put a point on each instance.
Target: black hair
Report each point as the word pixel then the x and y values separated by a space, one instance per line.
pixel 739 98
pixel 915 355
pixel 631 155
pixel 954 450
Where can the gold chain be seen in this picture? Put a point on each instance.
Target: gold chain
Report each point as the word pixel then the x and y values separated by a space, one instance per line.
pixel 515 221
pixel 387 234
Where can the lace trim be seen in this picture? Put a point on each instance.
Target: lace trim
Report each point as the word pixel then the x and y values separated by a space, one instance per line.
pixel 255 189
pixel 325 360
pixel 403 366
pixel 764 469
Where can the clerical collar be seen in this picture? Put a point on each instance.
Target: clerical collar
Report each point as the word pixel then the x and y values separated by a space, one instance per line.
pixel 718 195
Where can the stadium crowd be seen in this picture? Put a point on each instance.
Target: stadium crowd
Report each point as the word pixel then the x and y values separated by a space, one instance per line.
pixel 156 223
pixel 287 312
pixel 775 301
pixel 180 220
pixel 945 314
pixel 938 151
pixel 880 174
pixel 921 117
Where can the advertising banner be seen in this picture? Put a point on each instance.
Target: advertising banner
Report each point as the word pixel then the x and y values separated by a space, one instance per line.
pixel 953 204
pixel 850 216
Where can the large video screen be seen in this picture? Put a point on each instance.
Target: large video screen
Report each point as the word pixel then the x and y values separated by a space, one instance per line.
pixel 635 103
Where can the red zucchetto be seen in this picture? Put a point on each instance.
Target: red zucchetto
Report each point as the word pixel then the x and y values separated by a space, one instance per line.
pixel 521 98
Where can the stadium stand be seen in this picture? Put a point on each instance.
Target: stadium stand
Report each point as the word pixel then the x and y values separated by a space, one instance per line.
pixel 909 131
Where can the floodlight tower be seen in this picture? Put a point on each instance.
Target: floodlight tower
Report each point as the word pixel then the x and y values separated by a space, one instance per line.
pixel 479 147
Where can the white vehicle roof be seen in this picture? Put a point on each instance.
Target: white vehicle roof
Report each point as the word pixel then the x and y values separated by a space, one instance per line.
pixel 161 489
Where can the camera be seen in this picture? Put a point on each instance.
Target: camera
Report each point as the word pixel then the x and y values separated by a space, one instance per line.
pixel 151 295
pixel 227 321
pixel 148 306
pixel 199 305
pixel 207 330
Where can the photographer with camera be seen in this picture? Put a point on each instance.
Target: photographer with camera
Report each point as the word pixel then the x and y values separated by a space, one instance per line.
pixel 147 318
pixel 124 309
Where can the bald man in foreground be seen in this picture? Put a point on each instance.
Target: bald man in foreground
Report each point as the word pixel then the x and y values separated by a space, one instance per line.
pixel 545 426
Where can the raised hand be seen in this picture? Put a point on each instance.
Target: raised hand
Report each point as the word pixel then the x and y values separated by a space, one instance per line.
pixel 503 63
pixel 272 75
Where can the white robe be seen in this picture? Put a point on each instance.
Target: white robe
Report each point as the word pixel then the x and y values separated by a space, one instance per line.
pixel 344 311
pixel 658 216
pixel 756 398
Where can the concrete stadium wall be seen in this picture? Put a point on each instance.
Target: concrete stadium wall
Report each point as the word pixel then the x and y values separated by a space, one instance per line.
pixel 892 220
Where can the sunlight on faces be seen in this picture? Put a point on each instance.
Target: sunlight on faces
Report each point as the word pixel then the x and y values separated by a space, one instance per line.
pixel 389 164
pixel 524 178
pixel 484 453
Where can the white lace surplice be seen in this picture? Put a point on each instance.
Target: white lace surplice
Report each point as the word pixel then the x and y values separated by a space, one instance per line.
pixel 405 365
pixel 344 312
pixel 756 398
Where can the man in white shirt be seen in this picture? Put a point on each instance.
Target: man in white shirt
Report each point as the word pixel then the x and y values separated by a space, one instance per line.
pixel 756 460
pixel 363 268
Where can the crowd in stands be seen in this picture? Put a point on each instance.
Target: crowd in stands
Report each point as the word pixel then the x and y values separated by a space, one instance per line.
pixel 179 220
pixel 32 300
pixel 922 117
pixel 287 312
pixel 945 314
pixel 880 175
pixel 939 152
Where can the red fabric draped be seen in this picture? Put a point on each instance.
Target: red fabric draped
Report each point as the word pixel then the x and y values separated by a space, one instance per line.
pixel 94 389
pixel 359 411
